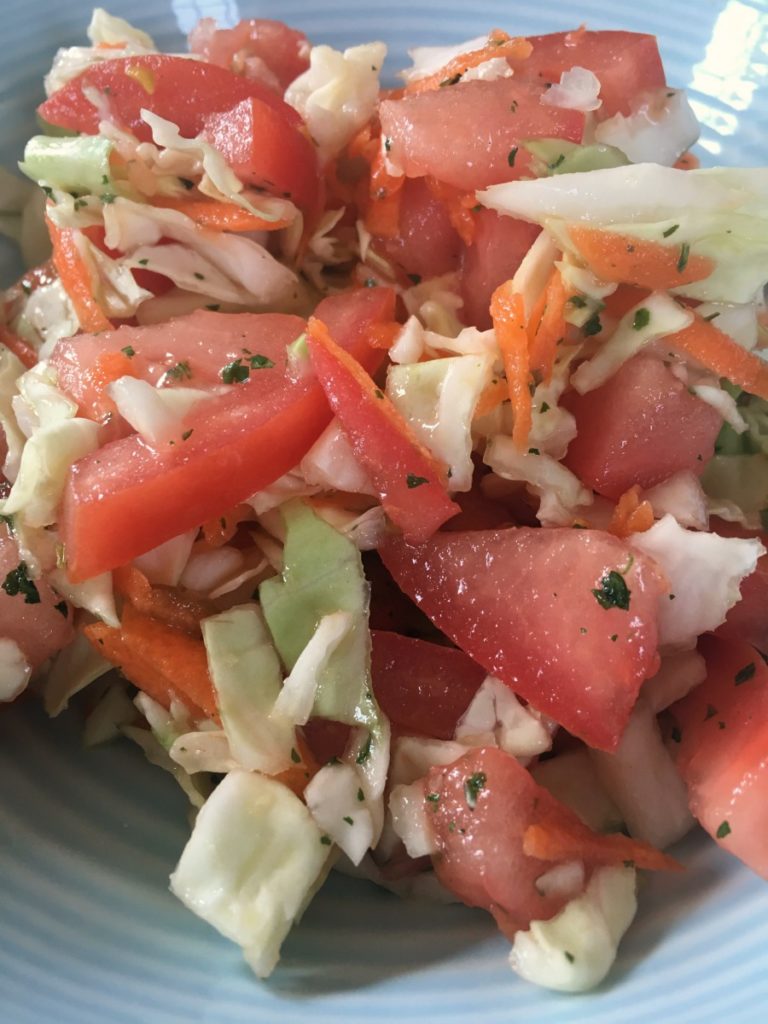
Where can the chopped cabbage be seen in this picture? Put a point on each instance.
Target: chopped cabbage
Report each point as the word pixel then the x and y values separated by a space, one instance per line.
pixel 564 881
pixel 94 595
pixel 210 568
pixel 578 89
pixel 203 750
pixel 155 413
pixel 495 717
pixel 704 573
pixel 47 316
pixel 737 487
pixel 660 130
pixel 336 801
pixel 427 60
pixel 254 860
pixel 571 778
pixel 331 464
pixel 15 672
pixel 195 789
pixel 531 276
pixel 678 674
pixel 736 319
pixel 246 675
pixel 680 495
pixel 297 696
pixel 165 563
pixel 113 710
pixel 654 317
pixel 438 398
pixel 574 950
pixel 338 93
pixel 78 164
pixel 74 668
pixel 559 156
pixel 11 369
pixel 409 819
pixel 413 756
pixel 114 286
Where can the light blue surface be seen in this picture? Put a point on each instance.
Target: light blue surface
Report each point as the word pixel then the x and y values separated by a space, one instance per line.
pixel 89 933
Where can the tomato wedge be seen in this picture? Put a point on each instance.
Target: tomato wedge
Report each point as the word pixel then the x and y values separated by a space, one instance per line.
pixel 126 498
pixel 524 603
pixel 723 749
pixel 406 476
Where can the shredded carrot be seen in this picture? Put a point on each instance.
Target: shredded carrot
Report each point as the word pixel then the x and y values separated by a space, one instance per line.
pixel 492 397
pixel 558 840
pixel 718 352
pixel 383 335
pixel 508 315
pixel 625 259
pixel 24 352
pixel 500 44
pixel 75 279
pixel 382 216
pixel 631 515
pixel 687 162
pixel 459 206
pixel 550 329
pixel 382 182
pixel 162 661
pixel 222 529
pixel 219 216
pixel 167 604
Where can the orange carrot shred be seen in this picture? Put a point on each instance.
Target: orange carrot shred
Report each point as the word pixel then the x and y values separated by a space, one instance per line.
pixel 551 327
pixel 222 529
pixel 492 397
pixel 162 661
pixel 500 44
pixel 75 279
pixel 218 216
pixel 718 352
pixel 382 217
pixel 625 259
pixel 508 315
pixel 167 604
pixel 564 840
pixel 631 515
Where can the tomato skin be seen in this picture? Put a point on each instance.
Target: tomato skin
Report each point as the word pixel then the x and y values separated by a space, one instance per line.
pixel 126 498
pixel 726 767
pixel 39 630
pixel 519 602
pixel 464 134
pixel 265 150
pixel 427 243
pixel 497 251
pixel 748 619
pixel 183 91
pixel 282 50
pixel 640 427
pixel 626 63
pixel 423 688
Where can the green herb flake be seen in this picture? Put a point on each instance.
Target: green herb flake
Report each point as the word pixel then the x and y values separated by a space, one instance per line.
pixel 8 520
pixel 214 307
pixel 569 956
pixel 142 263
pixel 592 326
pixel 682 262
pixel 451 826
pixel 556 163
pixel 378 393
pixel 108 198
pixel 578 302
pixel 544 407
pixel 187 183
pixel 187 434
pixel 453 80
pixel 259 362
pixel 199 276
pixel 295 756
pixel 370 282
pixel 365 751
pixel 641 319
pixel 670 231
pixel 325 840
pixel 18 582
pixel 235 372
pixel 629 863
pixel 47 190
pixel 360 795
pixel 180 371
pixel 745 674
pixel 583 630
pixel 613 591
pixel 723 830
pixel 614 637
pixel 513 106
pixel 387 143
pixel 472 787
pixel 349 821
pixel 415 481
pixel 62 608
pixel 26 287
pixel 676 735
pixel 415 278
pixel 511 156
pixel 710 713
pixel 433 798
pixel 105 179
pixel 534 451
pixel 129 351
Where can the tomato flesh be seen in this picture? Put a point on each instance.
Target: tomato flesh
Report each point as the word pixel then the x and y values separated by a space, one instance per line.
pixel 427 244
pixel 640 427
pixel 257 47
pixel 520 602
pixel 498 248
pixel 725 766
pixel 748 619
pixel 423 688
pixel 126 498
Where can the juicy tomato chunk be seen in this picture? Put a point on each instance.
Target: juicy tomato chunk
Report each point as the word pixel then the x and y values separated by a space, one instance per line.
pixel 640 427
pixel 427 244
pixel 39 628
pixel 423 688
pixel 626 63
pixel 465 134
pixel 748 619
pixel 180 90
pixel 497 251
pixel 484 810
pixel 723 749
pixel 521 602
pixel 259 48
pixel 267 151
pixel 126 497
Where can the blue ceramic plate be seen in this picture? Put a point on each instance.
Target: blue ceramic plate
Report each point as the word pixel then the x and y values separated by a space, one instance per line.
pixel 89 933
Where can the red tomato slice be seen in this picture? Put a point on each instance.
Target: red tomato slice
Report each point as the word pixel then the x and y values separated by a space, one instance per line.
pixel 259 48
pixel 465 134
pixel 427 244
pixel 481 809
pixel 181 90
pixel 40 628
pixel 748 619
pixel 406 476
pixel 626 63
pixel 498 249
pixel 723 749
pixel 521 603
pixel 640 427
pixel 126 498
pixel 423 688
pixel 267 151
